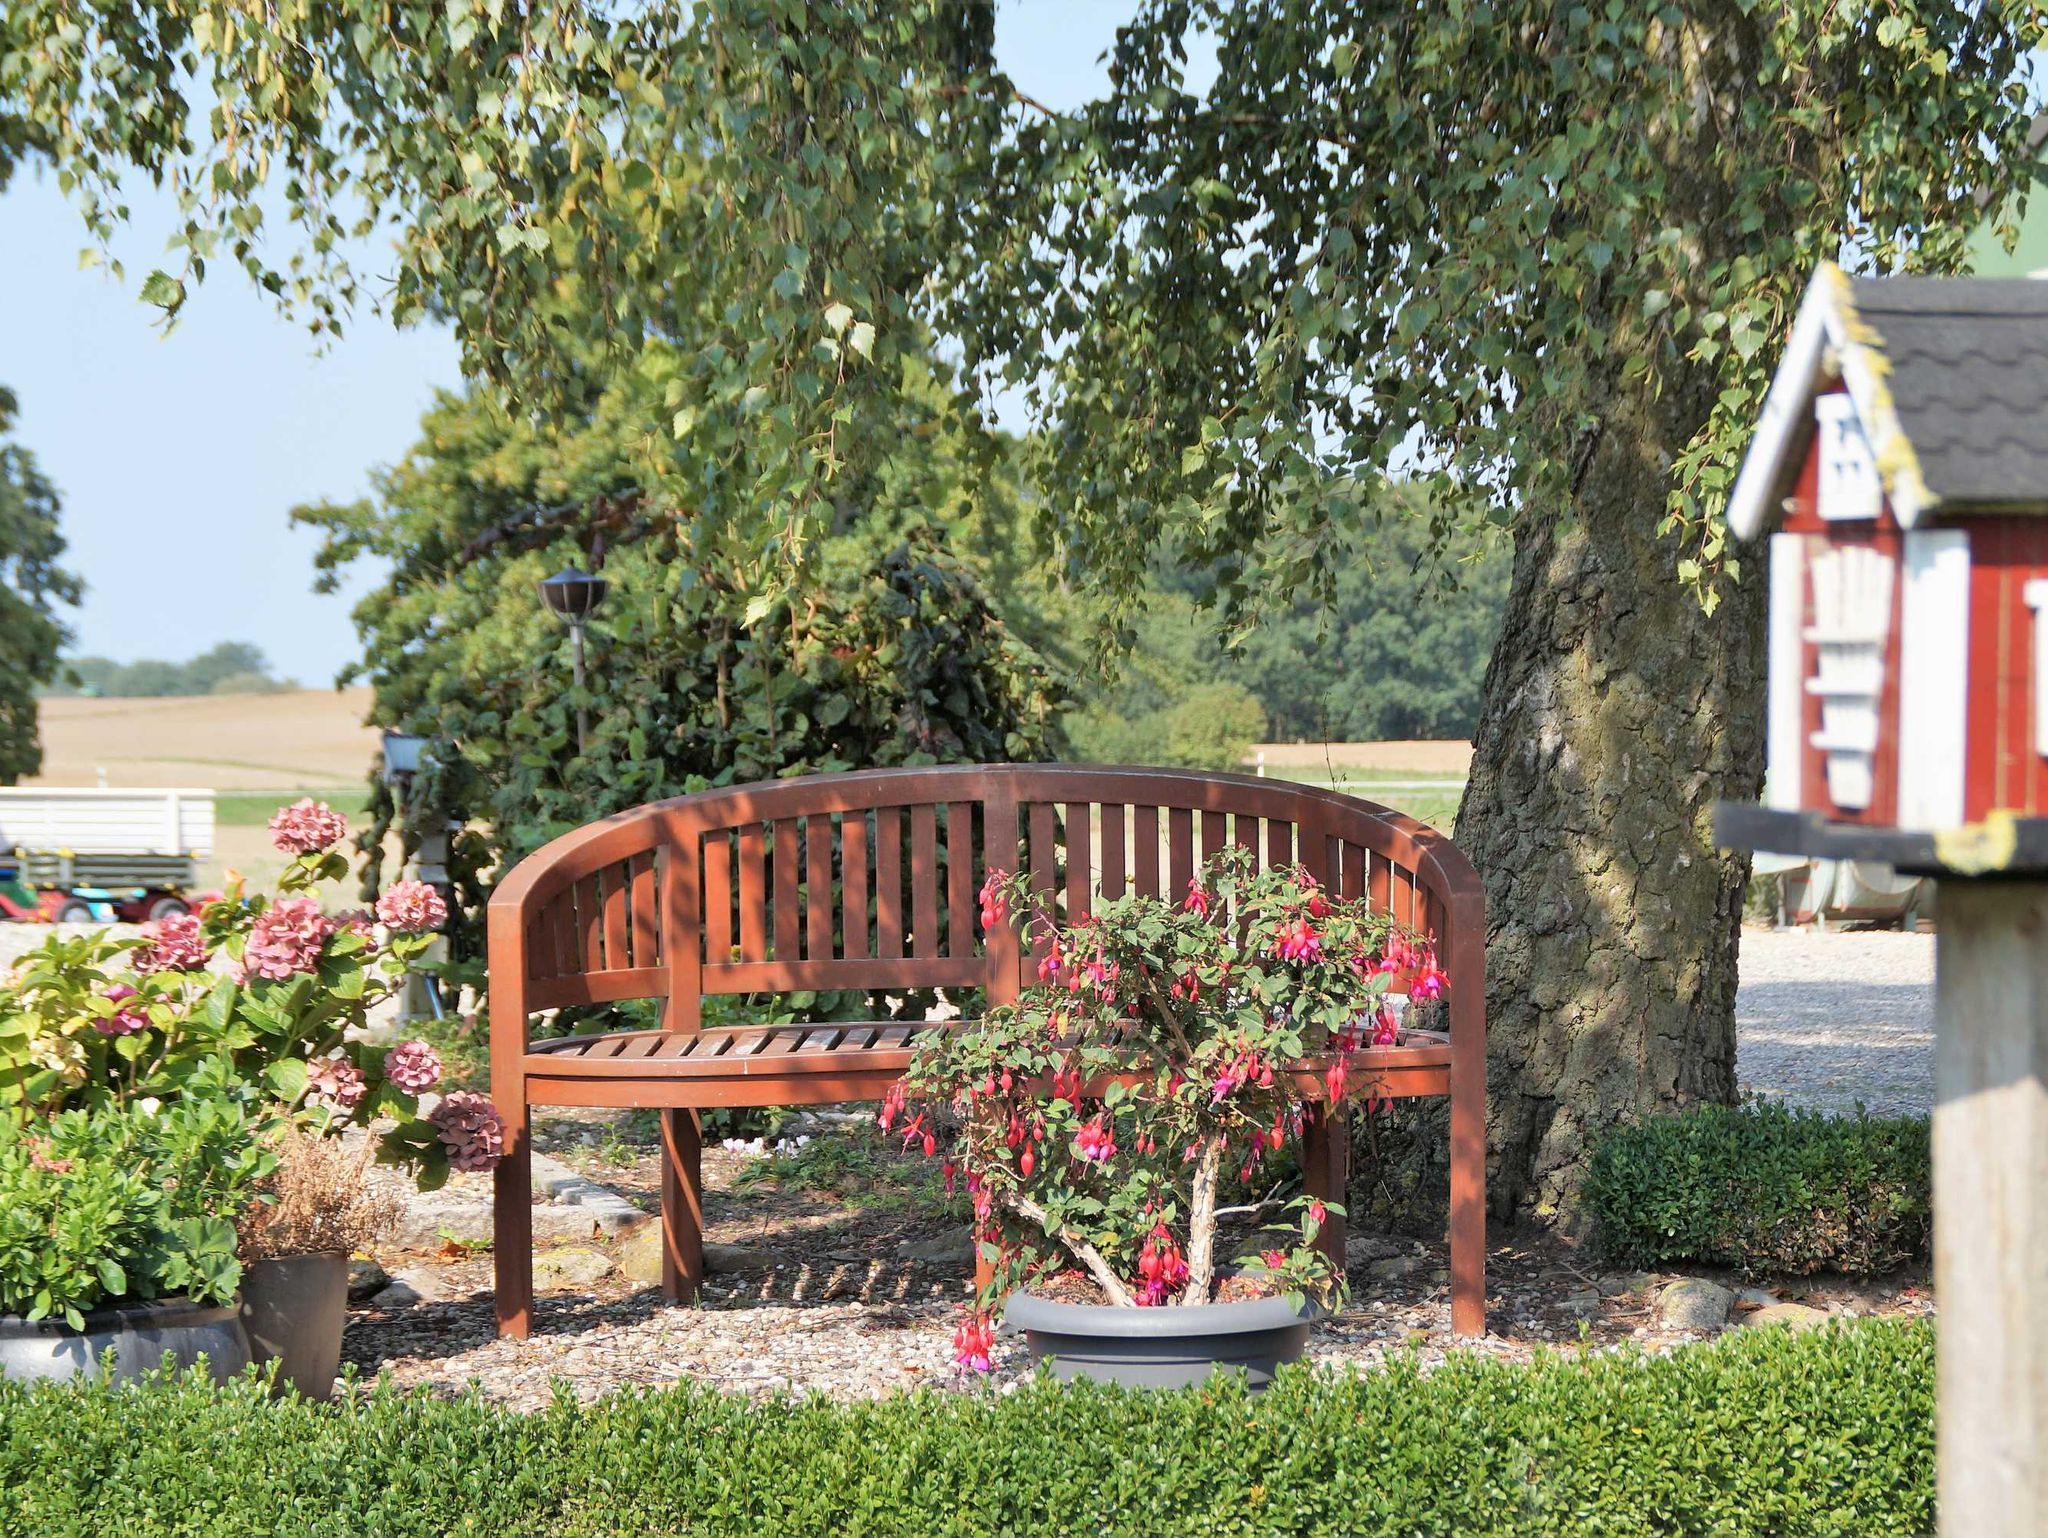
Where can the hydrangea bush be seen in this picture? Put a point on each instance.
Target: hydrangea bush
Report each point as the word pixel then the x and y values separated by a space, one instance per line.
pixel 1166 1053
pixel 262 990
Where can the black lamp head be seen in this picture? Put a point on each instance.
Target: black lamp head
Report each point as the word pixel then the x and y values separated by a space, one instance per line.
pixel 573 594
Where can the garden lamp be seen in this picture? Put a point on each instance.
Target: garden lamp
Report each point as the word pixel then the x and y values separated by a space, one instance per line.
pixel 574 595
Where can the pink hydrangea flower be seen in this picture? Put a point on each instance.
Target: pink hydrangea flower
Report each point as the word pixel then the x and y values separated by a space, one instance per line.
pixel 287 938
pixel 175 945
pixel 471 1130
pixel 413 1066
pixel 412 908
pixel 122 1022
pixel 307 827
pixel 337 1082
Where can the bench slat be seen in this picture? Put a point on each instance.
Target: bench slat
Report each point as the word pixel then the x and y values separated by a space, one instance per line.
pixel 818 886
pixel 924 881
pixel 961 919
pixel 889 881
pixel 854 866
pixel 753 895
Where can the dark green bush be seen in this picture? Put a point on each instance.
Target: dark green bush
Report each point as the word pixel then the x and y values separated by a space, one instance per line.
pixel 1764 1189
pixel 1766 1432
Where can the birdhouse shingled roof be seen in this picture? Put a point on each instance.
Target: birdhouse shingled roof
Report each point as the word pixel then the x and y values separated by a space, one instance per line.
pixel 1950 381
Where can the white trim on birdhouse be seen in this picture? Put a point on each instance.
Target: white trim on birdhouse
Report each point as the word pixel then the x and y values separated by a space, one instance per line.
pixel 1852 613
pixel 1784 758
pixel 2036 595
pixel 1827 340
pixel 1934 677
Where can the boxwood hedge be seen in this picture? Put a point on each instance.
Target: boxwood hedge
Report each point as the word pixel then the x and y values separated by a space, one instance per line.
pixel 1764 1432
pixel 1764 1189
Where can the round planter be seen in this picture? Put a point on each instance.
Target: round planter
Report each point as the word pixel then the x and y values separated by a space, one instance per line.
pixel 1169 1347
pixel 294 1309
pixel 139 1335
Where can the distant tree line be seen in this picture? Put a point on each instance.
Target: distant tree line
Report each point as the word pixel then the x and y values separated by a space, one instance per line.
pixel 232 667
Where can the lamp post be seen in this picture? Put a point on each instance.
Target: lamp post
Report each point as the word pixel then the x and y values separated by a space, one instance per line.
pixel 574 595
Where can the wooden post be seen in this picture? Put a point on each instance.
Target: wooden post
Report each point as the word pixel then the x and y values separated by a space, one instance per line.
pixel 1991 1207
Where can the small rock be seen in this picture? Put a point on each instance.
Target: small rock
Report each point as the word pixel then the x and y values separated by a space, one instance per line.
pixel 569 1268
pixel 639 1258
pixel 1795 1316
pixel 366 1278
pixel 1613 1284
pixel 951 1250
pixel 1694 1303
pixel 1395 1267
pixel 1756 1297
pixel 1363 1249
pixel 397 1295
pixel 736 1258
pixel 1583 1303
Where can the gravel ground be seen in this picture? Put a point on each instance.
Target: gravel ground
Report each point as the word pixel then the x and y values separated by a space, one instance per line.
pixel 1831 1020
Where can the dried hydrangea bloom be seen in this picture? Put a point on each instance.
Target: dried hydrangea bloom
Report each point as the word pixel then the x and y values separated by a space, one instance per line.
pixel 337 1082
pixel 307 827
pixel 175 945
pixel 413 1066
pixel 286 938
pixel 412 908
pixel 122 1022
pixel 471 1130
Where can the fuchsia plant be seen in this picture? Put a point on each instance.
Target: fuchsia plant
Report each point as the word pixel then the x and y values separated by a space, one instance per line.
pixel 1166 1053
pixel 265 995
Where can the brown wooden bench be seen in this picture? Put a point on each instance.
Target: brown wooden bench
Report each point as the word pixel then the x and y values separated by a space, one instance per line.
pixel 868 881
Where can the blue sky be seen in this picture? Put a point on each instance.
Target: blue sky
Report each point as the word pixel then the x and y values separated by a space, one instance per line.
pixel 178 457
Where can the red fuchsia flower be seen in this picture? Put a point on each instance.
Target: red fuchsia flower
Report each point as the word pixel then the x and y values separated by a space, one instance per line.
pixel 307 827
pixel 1162 1269
pixel 892 1106
pixel 470 1129
pixel 122 1022
pixel 1026 1162
pixel 1273 1260
pixel 993 906
pixel 1096 1142
pixel 1197 900
pixel 974 1343
pixel 412 908
pixel 1317 1212
pixel 286 938
pixel 1386 1030
pixel 337 1082
pixel 1049 965
pixel 413 1066
pixel 1429 983
pixel 1335 1077
pixel 175 945
pixel 1299 942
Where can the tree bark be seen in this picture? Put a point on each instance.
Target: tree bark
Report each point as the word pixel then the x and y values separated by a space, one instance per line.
pixel 1616 712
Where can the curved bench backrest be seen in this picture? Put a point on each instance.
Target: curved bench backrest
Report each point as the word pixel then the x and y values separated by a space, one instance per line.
pixel 869 880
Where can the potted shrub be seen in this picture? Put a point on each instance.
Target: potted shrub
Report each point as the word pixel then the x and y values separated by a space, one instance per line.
pixel 117 1234
pixel 1132 1102
pixel 315 1209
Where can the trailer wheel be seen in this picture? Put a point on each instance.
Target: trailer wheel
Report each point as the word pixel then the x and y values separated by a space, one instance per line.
pixel 167 908
pixel 74 912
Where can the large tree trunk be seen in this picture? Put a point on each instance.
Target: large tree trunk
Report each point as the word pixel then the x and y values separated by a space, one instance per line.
pixel 1616 712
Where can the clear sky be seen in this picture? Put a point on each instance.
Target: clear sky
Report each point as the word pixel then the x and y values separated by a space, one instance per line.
pixel 178 457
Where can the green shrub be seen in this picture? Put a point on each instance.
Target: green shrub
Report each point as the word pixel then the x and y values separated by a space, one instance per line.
pixel 1764 1188
pixel 1766 1432
pixel 124 1203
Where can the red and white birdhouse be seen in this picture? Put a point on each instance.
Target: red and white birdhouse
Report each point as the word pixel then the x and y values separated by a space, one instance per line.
pixel 1901 467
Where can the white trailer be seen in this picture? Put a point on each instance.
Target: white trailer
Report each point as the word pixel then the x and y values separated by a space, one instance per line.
pixel 84 853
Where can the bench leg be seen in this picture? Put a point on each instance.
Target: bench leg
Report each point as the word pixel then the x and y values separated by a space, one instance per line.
pixel 1468 1194
pixel 1325 1166
pixel 682 1205
pixel 512 1224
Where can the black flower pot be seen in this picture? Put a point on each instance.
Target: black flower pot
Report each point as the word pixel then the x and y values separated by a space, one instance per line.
pixel 1169 1347
pixel 294 1309
pixel 138 1333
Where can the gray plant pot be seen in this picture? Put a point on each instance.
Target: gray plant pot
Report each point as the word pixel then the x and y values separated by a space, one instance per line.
pixel 139 1333
pixel 1170 1347
pixel 294 1309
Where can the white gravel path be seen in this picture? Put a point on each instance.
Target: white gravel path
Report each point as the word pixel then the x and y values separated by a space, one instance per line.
pixel 1830 1019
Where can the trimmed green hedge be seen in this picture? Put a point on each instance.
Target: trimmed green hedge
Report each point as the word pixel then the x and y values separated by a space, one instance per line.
pixel 1764 1188
pixel 1764 1432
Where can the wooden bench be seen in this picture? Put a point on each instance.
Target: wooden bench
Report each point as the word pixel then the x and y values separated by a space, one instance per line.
pixel 868 881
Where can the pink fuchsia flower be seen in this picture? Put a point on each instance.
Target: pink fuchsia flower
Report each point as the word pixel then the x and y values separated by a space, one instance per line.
pixel 1317 1212
pixel 337 1082
pixel 1273 1260
pixel 175 945
pixel 1299 942
pixel 122 1022
pixel 1429 983
pixel 1096 1142
pixel 412 908
pixel 1386 1030
pixel 993 907
pixel 974 1343
pixel 413 1066
pixel 470 1129
pixel 1197 900
pixel 307 827
pixel 1162 1269
pixel 286 938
